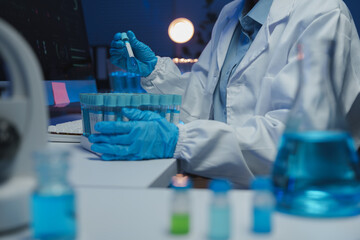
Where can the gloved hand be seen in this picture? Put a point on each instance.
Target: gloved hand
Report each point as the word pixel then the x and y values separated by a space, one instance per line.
pixel 146 136
pixel 144 56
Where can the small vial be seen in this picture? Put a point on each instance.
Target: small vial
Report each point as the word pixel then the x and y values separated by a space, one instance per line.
pixel 175 109
pixel 53 200
pixel 135 101
pixel 180 212
pixel 96 111
pixel 110 107
pixel 117 81
pixel 219 226
pixel 84 101
pixel 131 61
pixel 165 102
pixel 123 100
pixel 263 205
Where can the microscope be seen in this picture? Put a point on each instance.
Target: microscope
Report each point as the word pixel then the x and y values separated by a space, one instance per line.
pixel 23 127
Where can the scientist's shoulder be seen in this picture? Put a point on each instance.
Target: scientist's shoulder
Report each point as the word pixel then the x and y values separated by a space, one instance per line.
pixel 320 7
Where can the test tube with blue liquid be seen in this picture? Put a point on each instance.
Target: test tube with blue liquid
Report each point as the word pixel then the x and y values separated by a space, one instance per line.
pixel 53 200
pixel 220 216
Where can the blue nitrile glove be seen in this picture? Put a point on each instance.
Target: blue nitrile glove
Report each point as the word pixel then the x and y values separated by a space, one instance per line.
pixel 146 136
pixel 144 56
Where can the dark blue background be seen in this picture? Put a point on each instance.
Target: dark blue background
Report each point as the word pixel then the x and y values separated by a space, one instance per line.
pixel 149 19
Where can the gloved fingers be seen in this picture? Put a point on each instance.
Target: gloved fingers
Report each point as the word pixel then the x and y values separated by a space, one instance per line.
pixel 114 127
pixel 131 36
pixel 112 139
pixel 121 151
pixel 117 36
pixel 105 148
pixel 118 52
pixel 117 44
pixel 111 157
pixel 138 115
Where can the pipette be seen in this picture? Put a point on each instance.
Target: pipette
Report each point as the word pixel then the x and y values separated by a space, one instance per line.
pixel 132 60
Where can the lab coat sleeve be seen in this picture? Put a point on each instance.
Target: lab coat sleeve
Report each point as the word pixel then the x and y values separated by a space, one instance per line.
pixel 167 78
pixel 218 150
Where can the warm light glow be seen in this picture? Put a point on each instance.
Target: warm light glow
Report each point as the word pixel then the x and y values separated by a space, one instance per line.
pixel 181 30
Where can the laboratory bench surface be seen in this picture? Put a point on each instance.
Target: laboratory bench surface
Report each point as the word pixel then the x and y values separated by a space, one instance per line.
pixel 88 170
pixel 138 214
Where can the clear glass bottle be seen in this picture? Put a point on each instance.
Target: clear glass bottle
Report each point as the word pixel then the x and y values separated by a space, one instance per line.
pixel 316 172
pixel 53 200
pixel 220 216
pixel 180 212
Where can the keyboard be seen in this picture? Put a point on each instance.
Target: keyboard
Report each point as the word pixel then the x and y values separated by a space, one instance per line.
pixel 65 132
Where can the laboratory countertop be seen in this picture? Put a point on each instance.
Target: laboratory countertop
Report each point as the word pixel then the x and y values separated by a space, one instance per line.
pixel 135 214
pixel 87 170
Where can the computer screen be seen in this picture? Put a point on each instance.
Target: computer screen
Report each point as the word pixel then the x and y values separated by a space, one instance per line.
pixel 56 32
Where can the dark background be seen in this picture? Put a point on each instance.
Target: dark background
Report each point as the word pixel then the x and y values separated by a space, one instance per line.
pixel 149 20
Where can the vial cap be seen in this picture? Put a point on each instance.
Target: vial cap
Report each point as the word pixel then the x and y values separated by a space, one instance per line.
pixel 123 100
pixel 145 99
pixel 135 100
pixel 177 99
pixel 155 99
pixel 220 185
pixel 110 100
pixel 180 182
pixel 124 37
pixel 261 183
pixel 99 100
pixel 165 99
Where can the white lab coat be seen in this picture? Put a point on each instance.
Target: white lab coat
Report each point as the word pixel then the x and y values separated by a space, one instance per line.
pixel 261 91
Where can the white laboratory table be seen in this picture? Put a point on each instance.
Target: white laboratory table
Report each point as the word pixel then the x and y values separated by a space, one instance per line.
pixel 87 170
pixel 137 214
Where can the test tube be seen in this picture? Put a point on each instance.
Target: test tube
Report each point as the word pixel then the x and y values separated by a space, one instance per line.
pixel 165 102
pixel 110 107
pixel 180 212
pixel 123 100
pixel 96 111
pixel 175 109
pixel 118 81
pixel 131 61
pixel 84 101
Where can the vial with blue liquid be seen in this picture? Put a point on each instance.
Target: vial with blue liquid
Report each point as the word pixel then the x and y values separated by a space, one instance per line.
pixel 317 172
pixel 263 204
pixel 53 200
pixel 220 217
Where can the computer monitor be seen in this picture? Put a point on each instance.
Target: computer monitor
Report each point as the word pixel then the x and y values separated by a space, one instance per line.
pixel 56 32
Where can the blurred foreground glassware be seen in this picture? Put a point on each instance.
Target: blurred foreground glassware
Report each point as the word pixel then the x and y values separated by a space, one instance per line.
pixel 316 172
pixel 53 200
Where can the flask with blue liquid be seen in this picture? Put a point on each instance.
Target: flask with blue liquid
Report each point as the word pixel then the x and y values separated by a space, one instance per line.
pixel 316 172
pixel 53 200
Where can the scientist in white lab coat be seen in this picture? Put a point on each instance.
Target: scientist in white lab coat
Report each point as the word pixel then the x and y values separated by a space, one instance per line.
pixel 237 96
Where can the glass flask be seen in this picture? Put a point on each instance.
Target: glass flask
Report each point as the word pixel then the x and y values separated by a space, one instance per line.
pixel 53 200
pixel 316 172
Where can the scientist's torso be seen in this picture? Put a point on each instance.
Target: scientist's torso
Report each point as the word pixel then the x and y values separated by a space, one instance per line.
pixel 259 84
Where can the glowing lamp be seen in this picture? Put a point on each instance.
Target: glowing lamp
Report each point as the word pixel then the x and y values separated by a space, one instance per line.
pixel 181 30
